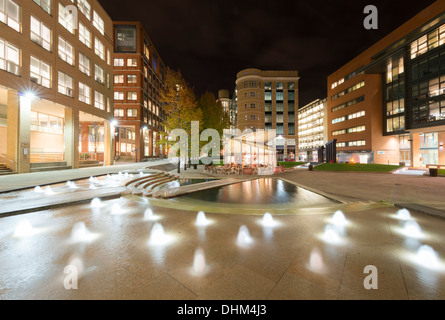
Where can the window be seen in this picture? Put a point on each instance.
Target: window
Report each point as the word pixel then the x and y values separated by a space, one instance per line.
pixel 119 62
pixel 40 34
pixel 98 23
pixel 40 73
pixel 280 107
pixel 280 118
pixel 338 120
pixel 268 86
pixel 348 104
pixel 45 4
pixel 9 58
pixel 119 79
pixel 84 35
pixel 291 129
pixel 84 93
pixel 291 96
pixel 280 86
pixel 118 112
pixel 428 42
pixel 349 90
pixel 132 113
pixel 291 85
pixel 132 79
pixel 132 62
pixel 356 129
pixel 253 117
pixel 252 106
pixel 395 124
pixel 252 84
pixel 119 95
pixel 65 84
pixel 338 132
pixel 99 100
pixel 66 51
pixel 10 14
pixel 66 18
pixel 85 8
pixel 132 96
pixel 356 115
pixel 279 96
pixel 99 74
pixel 84 64
pixel 125 39
pixel 252 94
pixel 99 48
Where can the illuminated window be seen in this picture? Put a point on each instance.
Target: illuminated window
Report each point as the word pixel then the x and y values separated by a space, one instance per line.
pixel 40 72
pixel 66 51
pixel 65 84
pixel 40 34
pixel 85 8
pixel 66 19
pixel 119 79
pixel 99 100
pixel 99 74
pixel 84 93
pixel 9 58
pixel 98 22
pixel 84 64
pixel 44 4
pixel 132 113
pixel 119 62
pixel 119 95
pixel 10 14
pixel 99 48
pixel 84 35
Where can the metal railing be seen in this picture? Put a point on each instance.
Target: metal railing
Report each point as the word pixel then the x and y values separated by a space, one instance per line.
pixel 10 164
pixel 47 157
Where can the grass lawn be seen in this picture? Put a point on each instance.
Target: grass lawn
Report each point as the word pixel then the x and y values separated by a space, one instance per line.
pixel 288 165
pixel 356 167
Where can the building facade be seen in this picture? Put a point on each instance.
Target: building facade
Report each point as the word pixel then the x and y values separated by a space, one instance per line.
pixel 138 79
pixel 387 105
pixel 56 91
pixel 269 100
pixel 312 130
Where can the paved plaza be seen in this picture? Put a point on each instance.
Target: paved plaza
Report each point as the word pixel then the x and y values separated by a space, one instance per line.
pixel 293 258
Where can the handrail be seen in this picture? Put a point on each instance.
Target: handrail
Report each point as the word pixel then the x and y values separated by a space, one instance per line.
pixel 12 161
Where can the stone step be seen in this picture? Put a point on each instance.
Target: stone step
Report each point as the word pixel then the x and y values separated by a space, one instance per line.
pixel 48 165
pixel 56 168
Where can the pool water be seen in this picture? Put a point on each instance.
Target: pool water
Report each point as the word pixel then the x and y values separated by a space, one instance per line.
pixel 267 191
pixel 183 182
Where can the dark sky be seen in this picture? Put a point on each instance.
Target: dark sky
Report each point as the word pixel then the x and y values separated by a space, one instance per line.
pixel 210 41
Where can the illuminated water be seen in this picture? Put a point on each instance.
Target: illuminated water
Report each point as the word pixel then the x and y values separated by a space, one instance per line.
pixel 264 191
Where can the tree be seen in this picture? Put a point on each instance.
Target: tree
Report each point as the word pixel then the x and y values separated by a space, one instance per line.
pixel 180 105
pixel 214 116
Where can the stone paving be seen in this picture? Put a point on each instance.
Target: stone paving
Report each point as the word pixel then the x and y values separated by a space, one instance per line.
pixel 296 258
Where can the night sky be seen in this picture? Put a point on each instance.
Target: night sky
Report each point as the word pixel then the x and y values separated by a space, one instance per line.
pixel 210 41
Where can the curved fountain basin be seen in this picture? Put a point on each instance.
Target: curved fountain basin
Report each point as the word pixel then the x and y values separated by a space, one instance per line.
pixel 273 195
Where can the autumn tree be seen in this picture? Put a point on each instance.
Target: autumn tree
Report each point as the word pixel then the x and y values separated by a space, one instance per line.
pixel 213 114
pixel 180 105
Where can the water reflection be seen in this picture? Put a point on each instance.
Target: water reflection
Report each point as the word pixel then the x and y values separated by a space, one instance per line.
pixel 261 191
